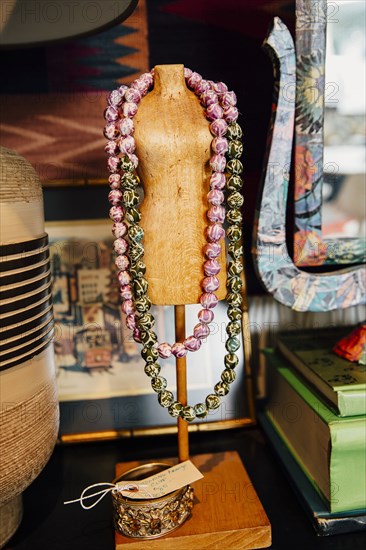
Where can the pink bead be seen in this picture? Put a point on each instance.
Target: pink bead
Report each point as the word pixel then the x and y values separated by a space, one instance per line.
pixel 111 148
pixel 228 99
pixel 210 284
pixel 115 98
pixel 123 89
pixel 206 316
pixel 231 114
pixel 209 98
pixel 132 95
pixel 137 335
pixel 119 229
pixel 216 197
pixel 219 87
pixel 127 307
pixel 194 79
pixel 208 300
pixel 115 196
pixel 117 213
pixel 201 331
pixel 111 114
pixel 110 131
pixel 192 344
pixel 141 85
pixel 187 73
pixel 124 278
pixel 212 250
pixel 218 163
pixel 201 87
pixel 178 350
pixel 215 232
pixel 120 246
pixel 164 350
pixel 122 262
pixel 131 321
pixel 126 294
pixel 216 214
pixel 134 159
pixel 126 126
pixel 220 145
pixel 127 145
pixel 218 127
pixel 114 164
pixel 114 181
pixel 211 267
pixel 129 109
pixel 214 111
pixel 217 180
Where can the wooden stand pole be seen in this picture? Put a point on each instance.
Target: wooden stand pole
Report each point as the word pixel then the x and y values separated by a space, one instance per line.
pixel 181 376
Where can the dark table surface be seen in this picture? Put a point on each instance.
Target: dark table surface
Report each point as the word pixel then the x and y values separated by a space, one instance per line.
pixel 50 525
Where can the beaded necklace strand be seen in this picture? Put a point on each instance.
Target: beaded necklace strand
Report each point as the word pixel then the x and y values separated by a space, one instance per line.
pixel 219 105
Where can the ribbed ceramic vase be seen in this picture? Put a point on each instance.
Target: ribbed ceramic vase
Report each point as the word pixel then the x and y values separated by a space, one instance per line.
pixel 28 397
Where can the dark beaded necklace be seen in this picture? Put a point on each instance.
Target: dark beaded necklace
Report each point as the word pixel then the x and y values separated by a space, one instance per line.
pixel 220 108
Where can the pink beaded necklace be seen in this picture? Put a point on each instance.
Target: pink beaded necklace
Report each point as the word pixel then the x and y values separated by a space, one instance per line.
pixel 219 105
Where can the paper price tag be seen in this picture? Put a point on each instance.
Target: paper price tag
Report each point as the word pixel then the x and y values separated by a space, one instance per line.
pixel 164 482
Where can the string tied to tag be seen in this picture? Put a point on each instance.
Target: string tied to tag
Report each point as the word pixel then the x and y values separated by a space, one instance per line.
pixel 109 487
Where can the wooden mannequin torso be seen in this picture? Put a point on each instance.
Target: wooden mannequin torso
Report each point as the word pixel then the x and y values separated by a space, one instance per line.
pixel 173 145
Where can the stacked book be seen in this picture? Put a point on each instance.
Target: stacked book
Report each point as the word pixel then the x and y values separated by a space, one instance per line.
pixel 315 418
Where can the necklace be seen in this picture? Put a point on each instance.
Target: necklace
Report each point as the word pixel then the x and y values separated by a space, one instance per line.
pixel 220 109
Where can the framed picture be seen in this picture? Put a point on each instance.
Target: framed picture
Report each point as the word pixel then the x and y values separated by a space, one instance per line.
pixel 103 389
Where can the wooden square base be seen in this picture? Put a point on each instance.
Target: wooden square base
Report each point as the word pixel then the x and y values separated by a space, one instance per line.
pixel 226 514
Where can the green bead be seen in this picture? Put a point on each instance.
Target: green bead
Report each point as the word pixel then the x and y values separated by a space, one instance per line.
pixel 140 287
pixel 138 269
pixel 232 344
pixel 165 398
pixel 212 401
pixel 143 304
pixel 234 131
pixel 235 150
pixel 136 251
pixel 221 389
pixel 234 166
pixel 127 165
pixel 234 299
pixel 234 233
pixel 158 383
pixel 133 215
pixel 234 313
pixel 146 321
pixel 152 369
pixel 231 360
pixel 233 328
pixel 234 183
pixel 175 409
pixel 150 355
pixel 234 283
pixel 129 180
pixel 200 410
pixel 135 233
pixel 235 250
pixel 188 414
pixel 234 216
pixel 148 337
pixel 130 198
pixel 234 267
pixel 235 200
pixel 228 376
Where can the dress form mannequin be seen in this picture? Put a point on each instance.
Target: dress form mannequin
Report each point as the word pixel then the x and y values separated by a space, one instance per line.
pixel 173 145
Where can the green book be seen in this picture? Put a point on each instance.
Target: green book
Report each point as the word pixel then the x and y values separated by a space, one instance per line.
pixel 341 382
pixel 331 450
